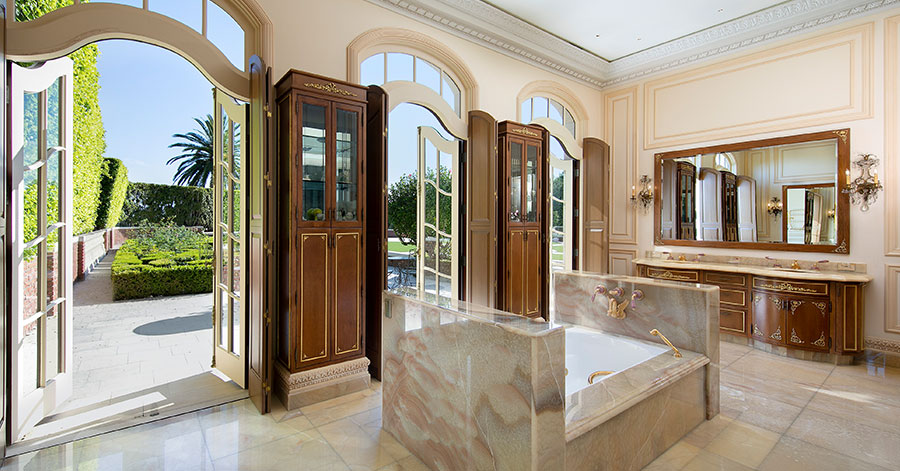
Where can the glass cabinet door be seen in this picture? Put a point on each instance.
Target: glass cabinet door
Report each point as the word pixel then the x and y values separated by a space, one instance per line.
pixel 313 152
pixel 531 183
pixel 515 181
pixel 346 165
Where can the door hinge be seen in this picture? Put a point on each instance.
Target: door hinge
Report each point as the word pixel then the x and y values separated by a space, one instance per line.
pixel 266 317
pixel 266 388
pixel 577 172
pixel 575 252
pixel 268 180
pixel 462 260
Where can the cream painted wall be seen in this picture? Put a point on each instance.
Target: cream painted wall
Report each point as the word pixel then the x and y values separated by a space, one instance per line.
pixel 856 100
pixel 313 35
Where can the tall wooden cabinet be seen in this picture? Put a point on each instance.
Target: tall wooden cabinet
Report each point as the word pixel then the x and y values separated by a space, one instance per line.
pixel 322 158
pixel 522 231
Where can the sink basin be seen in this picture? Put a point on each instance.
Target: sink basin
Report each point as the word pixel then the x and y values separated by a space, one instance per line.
pixel 791 270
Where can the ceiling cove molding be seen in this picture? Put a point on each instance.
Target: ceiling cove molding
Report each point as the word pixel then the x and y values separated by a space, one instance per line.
pixel 489 26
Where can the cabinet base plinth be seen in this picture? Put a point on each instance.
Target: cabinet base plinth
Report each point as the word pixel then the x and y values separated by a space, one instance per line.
pixel 823 357
pixel 320 384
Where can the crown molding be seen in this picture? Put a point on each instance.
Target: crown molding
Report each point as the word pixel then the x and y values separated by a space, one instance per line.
pixel 495 29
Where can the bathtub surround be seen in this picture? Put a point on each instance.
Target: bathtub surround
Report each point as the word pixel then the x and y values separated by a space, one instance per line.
pixel 468 387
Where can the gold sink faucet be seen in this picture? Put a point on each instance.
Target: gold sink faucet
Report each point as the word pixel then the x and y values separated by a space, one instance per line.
pixel 795 265
pixel 663 337
pixel 616 308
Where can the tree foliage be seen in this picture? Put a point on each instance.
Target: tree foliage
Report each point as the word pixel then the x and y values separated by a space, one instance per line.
pixel 113 189
pixel 196 161
pixel 558 188
pixel 402 204
pixel 88 132
pixel 161 204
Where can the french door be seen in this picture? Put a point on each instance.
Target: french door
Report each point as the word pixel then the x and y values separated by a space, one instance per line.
pixel 561 201
pixel 231 278
pixel 437 233
pixel 41 221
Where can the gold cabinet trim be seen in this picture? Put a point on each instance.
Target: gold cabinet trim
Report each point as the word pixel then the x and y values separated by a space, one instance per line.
pixel 854 306
pixel 743 321
pixel 323 353
pixel 672 275
pixel 777 334
pixel 789 287
pixel 329 87
pixel 794 337
pixel 524 131
pixel 821 341
pixel 743 294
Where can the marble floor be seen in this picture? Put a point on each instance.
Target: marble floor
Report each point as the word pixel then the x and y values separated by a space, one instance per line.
pixel 777 414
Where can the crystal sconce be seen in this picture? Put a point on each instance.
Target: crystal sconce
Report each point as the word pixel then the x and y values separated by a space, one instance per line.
pixel 864 189
pixel 775 206
pixel 642 199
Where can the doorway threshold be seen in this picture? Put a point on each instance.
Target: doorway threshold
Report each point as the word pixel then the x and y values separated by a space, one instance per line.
pixel 183 396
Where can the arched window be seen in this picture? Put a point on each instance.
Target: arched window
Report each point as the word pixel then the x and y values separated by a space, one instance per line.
pixel 385 67
pixel 545 107
pixel 725 161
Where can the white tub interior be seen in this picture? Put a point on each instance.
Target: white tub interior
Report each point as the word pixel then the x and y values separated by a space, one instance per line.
pixel 589 350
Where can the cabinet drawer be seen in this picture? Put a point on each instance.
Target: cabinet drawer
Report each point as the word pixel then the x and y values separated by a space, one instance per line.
pixel 732 297
pixel 733 320
pixel 674 275
pixel 790 286
pixel 719 278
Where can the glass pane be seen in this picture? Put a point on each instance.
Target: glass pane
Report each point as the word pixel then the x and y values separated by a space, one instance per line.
pixel 371 71
pixel 430 161
pixel 428 75
pixel 450 92
pixel 445 254
pixel 236 269
pixel 30 116
pixel 236 326
pixel 235 201
pixel 189 12
pixel 445 286
pixel 531 169
pixel 223 260
pixel 313 162
pixel 225 34
pixel 30 207
pixel 445 178
pixel 569 123
pixel 54 327
pixel 399 66
pixel 515 181
pixel 53 100
pixel 54 286
pixel 223 318
pixel 53 185
pixel 526 111
pixel 346 166
pixel 28 358
pixel 430 248
pixel 538 107
pixel 556 111
pixel 236 149
pixel 430 202
pixel 446 215
pixel 225 188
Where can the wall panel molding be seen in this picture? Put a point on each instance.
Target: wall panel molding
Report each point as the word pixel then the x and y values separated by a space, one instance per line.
pixel 892 135
pixel 892 298
pixel 884 345
pixel 822 80
pixel 621 134
pixel 620 260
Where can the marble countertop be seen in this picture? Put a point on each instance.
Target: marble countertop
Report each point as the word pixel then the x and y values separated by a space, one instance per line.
pixel 817 275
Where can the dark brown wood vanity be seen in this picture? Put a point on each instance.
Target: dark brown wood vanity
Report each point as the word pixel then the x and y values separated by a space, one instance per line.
pixel 818 312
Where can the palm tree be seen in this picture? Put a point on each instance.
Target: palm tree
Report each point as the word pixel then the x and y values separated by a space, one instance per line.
pixel 196 167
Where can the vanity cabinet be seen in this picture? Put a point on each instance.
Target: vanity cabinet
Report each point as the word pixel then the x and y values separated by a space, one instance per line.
pixel 321 153
pixel 522 254
pixel 799 314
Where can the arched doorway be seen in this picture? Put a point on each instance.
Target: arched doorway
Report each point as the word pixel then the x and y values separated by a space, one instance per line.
pixel 241 101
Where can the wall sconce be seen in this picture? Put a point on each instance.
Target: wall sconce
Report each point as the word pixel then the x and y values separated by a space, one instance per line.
pixel 864 189
pixel 775 206
pixel 643 198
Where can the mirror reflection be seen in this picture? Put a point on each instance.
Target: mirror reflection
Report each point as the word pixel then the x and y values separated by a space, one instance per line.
pixel 780 194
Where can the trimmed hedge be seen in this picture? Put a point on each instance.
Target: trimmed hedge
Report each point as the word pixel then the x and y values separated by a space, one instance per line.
pixel 167 204
pixel 113 189
pixel 166 264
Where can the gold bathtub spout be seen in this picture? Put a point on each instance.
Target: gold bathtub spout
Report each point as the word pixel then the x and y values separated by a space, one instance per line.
pixel 598 373
pixel 663 337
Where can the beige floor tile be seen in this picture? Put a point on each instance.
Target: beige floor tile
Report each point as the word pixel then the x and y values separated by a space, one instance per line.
pixel 237 427
pixel 743 443
pixel 675 458
pixel 785 391
pixel 410 463
pixel 791 454
pixel 730 352
pixel 358 449
pixel 854 439
pixel 343 410
pixel 338 401
pixel 856 405
pixel 854 382
pixel 707 431
pixel 706 461
pixel 758 410
pixel 303 450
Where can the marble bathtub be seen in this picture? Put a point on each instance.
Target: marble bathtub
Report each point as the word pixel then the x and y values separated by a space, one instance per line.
pixel 468 387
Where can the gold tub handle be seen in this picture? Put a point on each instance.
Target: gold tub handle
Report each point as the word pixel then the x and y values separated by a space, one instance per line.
pixel 663 337
pixel 598 373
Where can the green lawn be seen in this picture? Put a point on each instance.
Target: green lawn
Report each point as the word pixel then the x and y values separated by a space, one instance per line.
pixel 557 247
pixel 397 246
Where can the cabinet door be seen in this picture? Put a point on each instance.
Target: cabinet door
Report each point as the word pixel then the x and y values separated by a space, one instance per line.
pixel 533 272
pixel 515 271
pixel 807 323
pixel 315 200
pixel 768 318
pixel 348 166
pixel 514 210
pixel 347 293
pixel 533 175
pixel 314 292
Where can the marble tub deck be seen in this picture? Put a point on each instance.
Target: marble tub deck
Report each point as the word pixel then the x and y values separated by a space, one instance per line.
pixel 813 416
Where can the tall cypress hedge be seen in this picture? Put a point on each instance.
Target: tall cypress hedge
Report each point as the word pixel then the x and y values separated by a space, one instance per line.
pixel 113 189
pixel 88 133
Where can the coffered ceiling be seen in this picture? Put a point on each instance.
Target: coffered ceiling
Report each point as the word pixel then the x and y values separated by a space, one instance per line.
pixel 605 42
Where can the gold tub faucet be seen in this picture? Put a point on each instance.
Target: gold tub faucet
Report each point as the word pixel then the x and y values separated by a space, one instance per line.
pixel 598 373
pixel 795 265
pixel 663 337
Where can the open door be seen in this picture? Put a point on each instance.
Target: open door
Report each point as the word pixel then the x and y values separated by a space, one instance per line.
pixel 230 279
pixel 437 265
pixel 261 266
pixel 41 234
